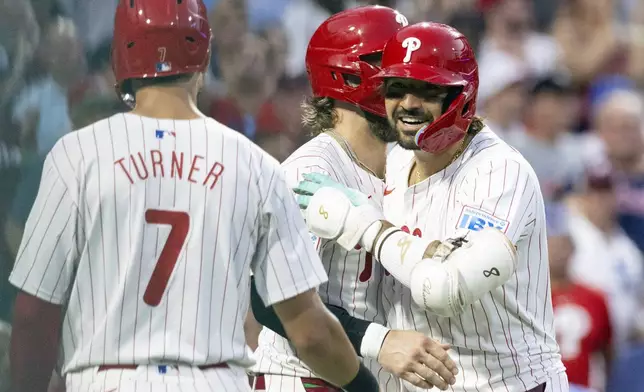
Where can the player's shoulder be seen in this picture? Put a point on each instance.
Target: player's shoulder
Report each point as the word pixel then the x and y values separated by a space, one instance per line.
pixel 232 137
pixel 321 148
pixel 263 166
pixel 320 154
pixel 487 151
pixel 77 146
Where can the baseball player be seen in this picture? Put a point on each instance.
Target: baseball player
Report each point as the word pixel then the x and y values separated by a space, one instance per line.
pixel 465 233
pixel 348 117
pixel 137 250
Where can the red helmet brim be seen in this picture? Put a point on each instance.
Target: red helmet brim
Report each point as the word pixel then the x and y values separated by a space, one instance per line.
pixel 429 74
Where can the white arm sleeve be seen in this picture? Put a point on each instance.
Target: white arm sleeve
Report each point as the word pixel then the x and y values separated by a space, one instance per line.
pixel 285 262
pixel 496 206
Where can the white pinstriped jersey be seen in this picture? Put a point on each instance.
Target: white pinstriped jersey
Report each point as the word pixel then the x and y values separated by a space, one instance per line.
pixel 505 341
pixel 354 278
pixel 145 230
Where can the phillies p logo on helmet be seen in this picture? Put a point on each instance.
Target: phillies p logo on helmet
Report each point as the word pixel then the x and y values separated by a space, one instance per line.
pixel 401 19
pixel 412 44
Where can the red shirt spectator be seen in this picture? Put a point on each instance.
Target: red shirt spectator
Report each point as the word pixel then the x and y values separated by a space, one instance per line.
pixel 583 328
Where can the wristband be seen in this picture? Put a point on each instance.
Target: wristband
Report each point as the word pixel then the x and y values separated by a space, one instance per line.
pixel 364 381
pixel 372 340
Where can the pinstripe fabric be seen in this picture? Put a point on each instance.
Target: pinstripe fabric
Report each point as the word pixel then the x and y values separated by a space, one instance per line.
pixel 145 230
pixel 354 278
pixel 149 378
pixel 505 341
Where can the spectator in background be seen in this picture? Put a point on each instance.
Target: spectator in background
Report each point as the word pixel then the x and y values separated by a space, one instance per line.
pixel 301 19
pixel 509 29
pixel 99 81
pixel 635 33
pixel 586 32
pixel 440 11
pixel 618 121
pixel 605 258
pixel 502 93
pixel 250 65
pixel 545 140
pixel 581 314
pixel 19 35
pixel 41 109
pixel 250 79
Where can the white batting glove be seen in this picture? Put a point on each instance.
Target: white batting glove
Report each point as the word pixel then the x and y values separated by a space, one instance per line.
pixel 333 211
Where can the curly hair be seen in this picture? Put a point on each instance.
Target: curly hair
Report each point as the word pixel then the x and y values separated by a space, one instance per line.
pixel 476 126
pixel 318 114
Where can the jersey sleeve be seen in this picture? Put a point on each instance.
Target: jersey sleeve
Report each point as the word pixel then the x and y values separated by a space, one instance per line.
pixel 293 170
pixel 501 193
pixel 45 263
pixel 285 263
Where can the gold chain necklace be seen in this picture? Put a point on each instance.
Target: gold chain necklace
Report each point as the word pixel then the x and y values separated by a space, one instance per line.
pixel 347 148
pixel 457 154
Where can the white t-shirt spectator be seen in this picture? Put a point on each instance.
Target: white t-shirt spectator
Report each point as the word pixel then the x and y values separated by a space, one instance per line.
pixel 611 264
pixel 541 53
pixel 301 19
pixel 47 98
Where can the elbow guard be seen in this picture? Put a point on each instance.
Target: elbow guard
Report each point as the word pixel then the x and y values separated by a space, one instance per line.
pixel 462 271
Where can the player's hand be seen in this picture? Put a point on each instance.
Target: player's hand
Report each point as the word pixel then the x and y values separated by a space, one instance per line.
pixel 414 357
pixel 313 182
pixel 335 212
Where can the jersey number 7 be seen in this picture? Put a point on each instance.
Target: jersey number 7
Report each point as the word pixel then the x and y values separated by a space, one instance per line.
pixel 180 224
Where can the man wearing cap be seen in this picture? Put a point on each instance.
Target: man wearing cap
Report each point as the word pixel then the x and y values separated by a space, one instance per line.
pixel 502 93
pixel 545 141
pixel 463 231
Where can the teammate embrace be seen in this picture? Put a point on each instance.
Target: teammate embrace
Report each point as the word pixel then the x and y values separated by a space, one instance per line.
pixel 460 224
pixel 136 254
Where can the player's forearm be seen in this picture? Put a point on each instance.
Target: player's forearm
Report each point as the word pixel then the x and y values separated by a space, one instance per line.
pixel 447 281
pixel 328 353
pixel 355 328
pixel 399 252
pixel 34 343
pixel 321 343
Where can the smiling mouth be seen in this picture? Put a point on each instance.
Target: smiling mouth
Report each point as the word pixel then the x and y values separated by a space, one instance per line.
pixel 411 124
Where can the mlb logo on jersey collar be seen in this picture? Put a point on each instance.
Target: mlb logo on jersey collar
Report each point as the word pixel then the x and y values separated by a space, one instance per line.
pixel 160 133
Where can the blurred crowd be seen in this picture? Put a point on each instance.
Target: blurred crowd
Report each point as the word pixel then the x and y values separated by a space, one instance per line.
pixel 561 80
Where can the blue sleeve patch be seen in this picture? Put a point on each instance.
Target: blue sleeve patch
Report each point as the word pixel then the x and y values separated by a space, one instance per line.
pixel 476 219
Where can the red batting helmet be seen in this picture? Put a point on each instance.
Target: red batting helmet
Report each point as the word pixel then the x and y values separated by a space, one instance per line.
pixel 158 38
pixel 440 55
pixel 339 49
